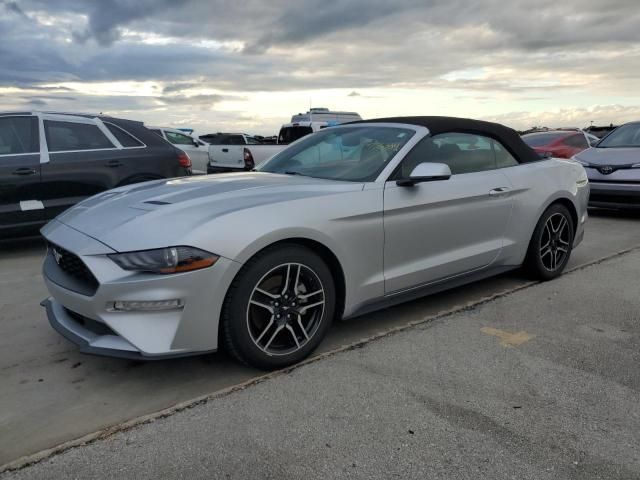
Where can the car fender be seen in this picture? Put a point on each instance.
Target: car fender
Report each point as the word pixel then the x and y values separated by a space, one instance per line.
pixel 290 233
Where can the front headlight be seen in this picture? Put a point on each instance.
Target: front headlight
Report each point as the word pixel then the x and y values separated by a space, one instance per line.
pixel 165 260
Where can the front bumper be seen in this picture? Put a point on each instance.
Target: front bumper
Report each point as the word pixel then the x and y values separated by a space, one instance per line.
pixel 86 317
pixel 615 195
pixel 93 339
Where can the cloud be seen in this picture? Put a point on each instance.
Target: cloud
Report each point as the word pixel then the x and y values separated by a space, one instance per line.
pixel 195 100
pixel 485 56
pixel 571 117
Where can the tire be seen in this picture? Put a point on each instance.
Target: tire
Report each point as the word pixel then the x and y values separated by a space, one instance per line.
pixel 270 322
pixel 551 244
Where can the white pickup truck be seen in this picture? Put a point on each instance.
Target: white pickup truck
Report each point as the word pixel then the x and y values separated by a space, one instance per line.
pixel 229 151
pixel 239 151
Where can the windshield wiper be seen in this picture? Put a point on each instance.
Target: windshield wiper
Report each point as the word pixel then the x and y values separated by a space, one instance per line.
pixel 291 172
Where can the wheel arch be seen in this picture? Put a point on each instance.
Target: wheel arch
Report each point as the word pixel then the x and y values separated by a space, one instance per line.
pixel 569 205
pixel 325 253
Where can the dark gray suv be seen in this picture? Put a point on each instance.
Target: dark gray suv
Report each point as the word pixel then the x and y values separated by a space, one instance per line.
pixel 50 161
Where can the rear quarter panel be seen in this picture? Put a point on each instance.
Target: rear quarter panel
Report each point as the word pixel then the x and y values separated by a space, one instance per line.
pixel 536 186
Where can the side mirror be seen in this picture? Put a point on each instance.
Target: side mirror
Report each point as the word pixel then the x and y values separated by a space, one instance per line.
pixel 426 172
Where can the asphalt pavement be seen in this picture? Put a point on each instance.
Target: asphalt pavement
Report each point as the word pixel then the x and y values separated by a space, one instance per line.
pixel 542 383
pixel 52 394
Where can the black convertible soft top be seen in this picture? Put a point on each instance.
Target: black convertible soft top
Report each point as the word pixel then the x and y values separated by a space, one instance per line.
pixel 505 135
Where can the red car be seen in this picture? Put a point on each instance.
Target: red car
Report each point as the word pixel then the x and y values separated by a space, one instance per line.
pixel 560 143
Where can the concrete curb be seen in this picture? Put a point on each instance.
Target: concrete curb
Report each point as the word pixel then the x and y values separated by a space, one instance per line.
pixel 104 433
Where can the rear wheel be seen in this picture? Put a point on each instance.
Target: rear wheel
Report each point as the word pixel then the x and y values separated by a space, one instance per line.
pixel 551 244
pixel 278 308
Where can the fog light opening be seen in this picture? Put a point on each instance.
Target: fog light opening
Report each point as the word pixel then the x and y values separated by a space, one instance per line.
pixel 145 305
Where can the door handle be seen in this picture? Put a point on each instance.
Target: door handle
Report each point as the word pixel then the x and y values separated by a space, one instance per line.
pixel 496 192
pixel 225 150
pixel 114 163
pixel 24 171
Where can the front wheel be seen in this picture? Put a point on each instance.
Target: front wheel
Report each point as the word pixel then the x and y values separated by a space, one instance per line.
pixel 551 244
pixel 278 308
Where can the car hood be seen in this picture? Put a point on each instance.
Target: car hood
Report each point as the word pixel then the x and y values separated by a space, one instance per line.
pixel 166 211
pixel 610 156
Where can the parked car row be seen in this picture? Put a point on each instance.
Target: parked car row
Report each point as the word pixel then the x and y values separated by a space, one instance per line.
pixel 194 148
pixel 237 151
pixel 612 162
pixel 613 168
pixel 51 161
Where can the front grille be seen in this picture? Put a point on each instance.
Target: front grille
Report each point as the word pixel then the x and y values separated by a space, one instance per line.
pixel 71 264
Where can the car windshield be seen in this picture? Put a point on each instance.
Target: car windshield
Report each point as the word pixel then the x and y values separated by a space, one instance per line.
pixel 625 136
pixel 544 138
pixel 355 154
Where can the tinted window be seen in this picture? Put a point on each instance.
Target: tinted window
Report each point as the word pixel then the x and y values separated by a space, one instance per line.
pixel 503 157
pixel 252 141
pixel 63 136
pixel 178 138
pixel 125 139
pixel 213 139
pixel 235 140
pixel 577 141
pixel 543 138
pixel 291 134
pixel 624 136
pixel 356 154
pixel 18 135
pixel 157 132
pixel 464 153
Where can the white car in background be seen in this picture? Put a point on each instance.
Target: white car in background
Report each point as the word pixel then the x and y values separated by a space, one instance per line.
pixel 195 148
pixel 230 152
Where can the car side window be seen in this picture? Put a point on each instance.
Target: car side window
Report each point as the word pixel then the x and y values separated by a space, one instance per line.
pixel 69 136
pixel 178 138
pixel 462 152
pixel 19 135
pixel 425 151
pixel 126 139
pixel 503 157
pixel 235 140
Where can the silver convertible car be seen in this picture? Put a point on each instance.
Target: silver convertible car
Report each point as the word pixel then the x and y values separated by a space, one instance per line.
pixel 347 220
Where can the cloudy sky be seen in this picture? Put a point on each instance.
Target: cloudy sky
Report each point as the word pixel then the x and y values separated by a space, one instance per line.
pixel 250 64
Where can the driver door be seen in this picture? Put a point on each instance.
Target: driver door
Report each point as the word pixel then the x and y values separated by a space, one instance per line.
pixel 439 229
